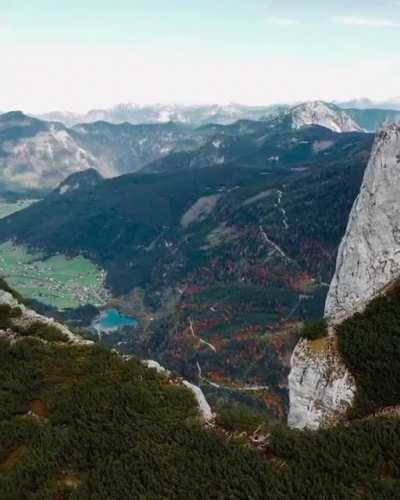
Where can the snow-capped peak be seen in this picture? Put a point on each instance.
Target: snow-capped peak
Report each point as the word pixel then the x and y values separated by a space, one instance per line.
pixel 322 114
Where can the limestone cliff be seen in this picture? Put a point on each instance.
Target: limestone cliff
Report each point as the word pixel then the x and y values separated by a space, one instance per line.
pixel 369 255
pixel 320 386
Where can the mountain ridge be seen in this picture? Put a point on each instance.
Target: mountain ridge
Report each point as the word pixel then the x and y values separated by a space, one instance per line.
pixel 38 155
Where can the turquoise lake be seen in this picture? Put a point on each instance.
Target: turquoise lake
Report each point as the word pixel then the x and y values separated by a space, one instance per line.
pixel 112 319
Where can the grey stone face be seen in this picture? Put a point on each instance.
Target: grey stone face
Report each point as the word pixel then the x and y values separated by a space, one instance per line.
pixel 320 386
pixel 369 255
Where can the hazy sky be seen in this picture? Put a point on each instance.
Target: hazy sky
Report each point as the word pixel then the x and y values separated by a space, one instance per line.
pixel 81 54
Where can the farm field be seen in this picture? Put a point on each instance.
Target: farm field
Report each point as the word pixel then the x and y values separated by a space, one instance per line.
pixel 57 281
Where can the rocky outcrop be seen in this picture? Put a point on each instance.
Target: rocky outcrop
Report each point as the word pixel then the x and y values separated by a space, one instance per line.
pixel 205 411
pixel 321 388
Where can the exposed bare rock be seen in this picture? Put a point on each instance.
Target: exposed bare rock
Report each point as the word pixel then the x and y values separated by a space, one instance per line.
pixel 321 387
pixel 155 365
pixel 369 255
pixel 204 408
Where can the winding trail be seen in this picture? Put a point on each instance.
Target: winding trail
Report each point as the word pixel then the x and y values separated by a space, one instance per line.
pixel 210 346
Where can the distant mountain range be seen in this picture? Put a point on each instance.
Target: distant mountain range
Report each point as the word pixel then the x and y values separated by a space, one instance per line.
pixel 365 103
pixel 36 155
pixel 195 115
pixel 373 119
pixel 160 113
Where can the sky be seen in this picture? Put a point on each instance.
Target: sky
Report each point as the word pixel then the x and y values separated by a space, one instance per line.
pixel 83 54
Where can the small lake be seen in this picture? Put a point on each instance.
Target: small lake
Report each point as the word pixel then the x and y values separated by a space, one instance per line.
pixel 112 319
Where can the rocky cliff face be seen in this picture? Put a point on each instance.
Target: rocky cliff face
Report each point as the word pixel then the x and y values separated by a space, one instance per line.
pixel 369 255
pixel 321 388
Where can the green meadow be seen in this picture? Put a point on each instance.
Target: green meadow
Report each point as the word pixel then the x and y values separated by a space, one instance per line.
pixel 57 281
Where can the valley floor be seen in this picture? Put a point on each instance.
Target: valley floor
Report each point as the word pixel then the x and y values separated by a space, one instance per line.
pixel 57 281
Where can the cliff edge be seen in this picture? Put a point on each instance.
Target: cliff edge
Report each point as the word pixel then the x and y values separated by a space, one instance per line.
pixel 321 389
